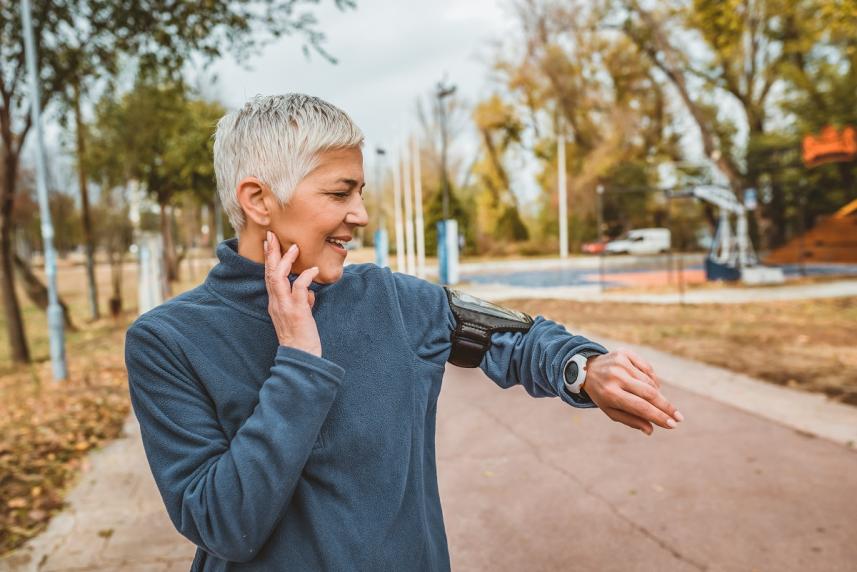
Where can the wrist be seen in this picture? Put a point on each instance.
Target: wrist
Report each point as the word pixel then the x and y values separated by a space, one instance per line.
pixel 316 351
pixel 586 370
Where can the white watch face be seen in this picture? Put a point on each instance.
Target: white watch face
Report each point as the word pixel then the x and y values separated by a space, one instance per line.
pixel 578 362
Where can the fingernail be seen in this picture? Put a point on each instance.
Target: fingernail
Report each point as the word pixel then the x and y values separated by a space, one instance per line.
pixel 678 416
pixel 672 424
pixel 268 235
pixel 293 247
pixel 265 246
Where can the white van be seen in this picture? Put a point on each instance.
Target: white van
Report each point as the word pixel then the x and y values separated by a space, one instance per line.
pixel 640 241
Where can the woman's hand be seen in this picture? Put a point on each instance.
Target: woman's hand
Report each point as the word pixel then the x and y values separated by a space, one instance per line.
pixel 290 305
pixel 626 389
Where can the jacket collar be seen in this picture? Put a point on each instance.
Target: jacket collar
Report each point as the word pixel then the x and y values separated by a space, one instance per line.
pixel 241 282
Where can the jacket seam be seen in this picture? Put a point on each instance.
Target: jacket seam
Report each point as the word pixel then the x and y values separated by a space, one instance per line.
pixel 401 320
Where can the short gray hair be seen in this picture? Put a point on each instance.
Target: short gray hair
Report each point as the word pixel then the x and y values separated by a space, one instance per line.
pixel 276 139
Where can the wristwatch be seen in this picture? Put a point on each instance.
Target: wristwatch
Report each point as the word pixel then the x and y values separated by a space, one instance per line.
pixel 575 371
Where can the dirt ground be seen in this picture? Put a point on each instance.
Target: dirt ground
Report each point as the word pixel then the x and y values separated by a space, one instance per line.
pixel 810 345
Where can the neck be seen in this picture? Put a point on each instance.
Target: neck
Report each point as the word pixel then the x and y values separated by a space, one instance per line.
pixel 250 244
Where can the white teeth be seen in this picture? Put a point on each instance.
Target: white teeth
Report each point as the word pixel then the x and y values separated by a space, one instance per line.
pixel 339 243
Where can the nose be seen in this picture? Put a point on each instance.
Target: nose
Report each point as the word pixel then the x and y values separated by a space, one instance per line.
pixel 358 215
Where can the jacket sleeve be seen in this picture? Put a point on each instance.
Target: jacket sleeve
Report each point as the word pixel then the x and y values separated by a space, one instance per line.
pixel 226 496
pixel 535 359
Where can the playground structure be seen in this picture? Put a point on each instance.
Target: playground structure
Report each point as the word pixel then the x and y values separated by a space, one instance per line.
pixel 731 256
pixel 832 240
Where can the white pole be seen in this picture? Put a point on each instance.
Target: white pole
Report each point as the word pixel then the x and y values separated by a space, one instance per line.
pixel 397 216
pixel 563 198
pixel 382 246
pixel 56 324
pixel 409 211
pixel 418 198
pixel 151 274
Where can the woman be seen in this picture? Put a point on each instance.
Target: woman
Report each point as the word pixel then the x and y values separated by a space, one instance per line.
pixel 287 405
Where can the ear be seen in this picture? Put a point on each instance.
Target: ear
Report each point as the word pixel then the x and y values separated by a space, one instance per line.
pixel 255 199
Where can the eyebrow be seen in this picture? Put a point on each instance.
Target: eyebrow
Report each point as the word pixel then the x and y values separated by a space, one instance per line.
pixel 350 182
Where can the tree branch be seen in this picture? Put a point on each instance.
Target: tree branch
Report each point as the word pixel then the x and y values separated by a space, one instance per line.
pixel 671 70
pixel 22 135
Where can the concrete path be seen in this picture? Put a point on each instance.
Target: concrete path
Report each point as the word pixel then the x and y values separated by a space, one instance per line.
pixel 532 484
pixel 114 522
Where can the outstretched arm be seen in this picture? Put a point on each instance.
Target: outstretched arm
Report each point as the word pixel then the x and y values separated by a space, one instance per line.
pixel 623 385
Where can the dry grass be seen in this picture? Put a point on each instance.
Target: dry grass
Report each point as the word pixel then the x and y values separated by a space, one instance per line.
pixel 810 345
pixel 48 427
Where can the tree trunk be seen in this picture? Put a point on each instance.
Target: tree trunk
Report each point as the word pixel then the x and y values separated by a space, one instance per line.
pixel 117 259
pixel 20 352
pixel 38 292
pixel 495 161
pixel 180 247
pixel 84 201
pixel 776 211
pixel 169 246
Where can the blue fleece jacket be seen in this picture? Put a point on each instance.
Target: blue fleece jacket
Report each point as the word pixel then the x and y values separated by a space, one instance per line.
pixel 270 458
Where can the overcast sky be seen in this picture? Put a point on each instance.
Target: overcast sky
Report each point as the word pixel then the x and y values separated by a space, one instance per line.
pixel 389 52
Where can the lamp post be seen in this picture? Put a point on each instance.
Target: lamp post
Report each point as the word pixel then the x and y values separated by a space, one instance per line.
pixel 562 191
pixel 444 91
pixel 410 252
pixel 397 215
pixel 599 191
pixel 418 203
pixel 447 229
pixel 55 312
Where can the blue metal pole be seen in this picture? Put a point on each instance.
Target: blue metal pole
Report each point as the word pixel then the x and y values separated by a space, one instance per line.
pixel 55 314
pixel 381 247
pixel 442 261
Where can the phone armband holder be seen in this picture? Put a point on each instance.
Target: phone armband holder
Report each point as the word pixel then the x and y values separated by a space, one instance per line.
pixel 475 321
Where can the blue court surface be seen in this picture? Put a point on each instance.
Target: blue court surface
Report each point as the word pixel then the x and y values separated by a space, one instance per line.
pixel 624 276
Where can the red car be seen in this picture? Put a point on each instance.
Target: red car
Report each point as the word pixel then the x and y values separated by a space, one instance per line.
pixel 596 247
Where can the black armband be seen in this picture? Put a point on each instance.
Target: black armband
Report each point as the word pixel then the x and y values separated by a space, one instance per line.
pixel 475 321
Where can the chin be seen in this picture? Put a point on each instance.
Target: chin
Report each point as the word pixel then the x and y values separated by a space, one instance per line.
pixel 329 275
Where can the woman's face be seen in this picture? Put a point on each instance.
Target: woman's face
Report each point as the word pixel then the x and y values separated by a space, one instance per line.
pixel 327 206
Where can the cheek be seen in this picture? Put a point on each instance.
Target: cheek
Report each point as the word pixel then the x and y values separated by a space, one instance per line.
pixel 308 227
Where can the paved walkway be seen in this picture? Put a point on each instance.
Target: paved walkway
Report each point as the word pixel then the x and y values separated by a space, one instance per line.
pixel 758 478
pixel 115 521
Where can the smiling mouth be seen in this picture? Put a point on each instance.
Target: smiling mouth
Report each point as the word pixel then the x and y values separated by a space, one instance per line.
pixel 338 244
